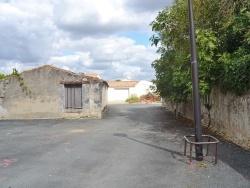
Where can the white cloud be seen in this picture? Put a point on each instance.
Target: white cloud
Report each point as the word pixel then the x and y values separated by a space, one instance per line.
pixel 87 18
pixel 78 35
pixel 109 57
pixel 26 34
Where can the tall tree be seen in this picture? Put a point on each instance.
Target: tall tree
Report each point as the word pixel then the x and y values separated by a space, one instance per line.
pixel 215 22
pixel 235 58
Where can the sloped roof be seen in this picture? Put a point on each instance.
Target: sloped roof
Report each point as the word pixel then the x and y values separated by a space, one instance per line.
pixel 123 84
pixel 48 67
pixel 66 71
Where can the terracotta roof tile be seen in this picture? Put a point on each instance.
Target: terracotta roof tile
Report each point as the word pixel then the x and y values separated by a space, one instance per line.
pixel 93 75
pixel 122 84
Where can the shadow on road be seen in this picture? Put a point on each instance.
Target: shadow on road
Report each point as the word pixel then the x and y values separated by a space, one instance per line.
pixel 162 120
pixel 173 153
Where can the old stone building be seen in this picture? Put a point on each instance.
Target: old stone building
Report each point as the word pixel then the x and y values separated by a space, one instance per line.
pixel 50 92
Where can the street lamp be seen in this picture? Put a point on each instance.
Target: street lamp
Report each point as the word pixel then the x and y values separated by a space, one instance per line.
pixel 195 82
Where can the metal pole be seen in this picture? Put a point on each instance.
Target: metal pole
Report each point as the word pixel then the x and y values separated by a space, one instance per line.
pixel 195 81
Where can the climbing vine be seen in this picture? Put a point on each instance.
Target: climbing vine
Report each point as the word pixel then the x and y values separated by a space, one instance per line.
pixel 21 81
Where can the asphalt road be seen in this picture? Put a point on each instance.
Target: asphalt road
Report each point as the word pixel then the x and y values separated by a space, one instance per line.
pixel 133 146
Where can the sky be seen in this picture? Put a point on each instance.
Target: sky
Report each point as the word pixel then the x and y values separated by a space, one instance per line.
pixel 106 37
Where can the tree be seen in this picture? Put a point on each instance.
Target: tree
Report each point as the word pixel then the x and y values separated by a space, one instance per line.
pixel 171 69
pixel 235 76
pixel 218 25
pixel 223 45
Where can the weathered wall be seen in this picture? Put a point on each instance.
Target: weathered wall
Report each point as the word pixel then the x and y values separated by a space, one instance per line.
pixel 104 95
pixel 230 116
pixel 47 96
pixel 94 102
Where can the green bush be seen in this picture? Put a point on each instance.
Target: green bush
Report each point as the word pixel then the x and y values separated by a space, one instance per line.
pixel 2 76
pixel 133 99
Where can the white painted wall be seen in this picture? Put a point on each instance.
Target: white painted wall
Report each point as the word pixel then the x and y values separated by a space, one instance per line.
pixel 111 94
pixel 142 88
pixel 118 94
pixel 121 94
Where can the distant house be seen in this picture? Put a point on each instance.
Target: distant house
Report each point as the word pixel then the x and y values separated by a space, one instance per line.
pixel 121 90
pixel 50 92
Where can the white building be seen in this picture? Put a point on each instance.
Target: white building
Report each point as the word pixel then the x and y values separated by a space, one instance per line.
pixel 121 90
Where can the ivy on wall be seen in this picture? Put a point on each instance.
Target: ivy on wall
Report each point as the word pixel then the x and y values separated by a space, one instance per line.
pixel 20 80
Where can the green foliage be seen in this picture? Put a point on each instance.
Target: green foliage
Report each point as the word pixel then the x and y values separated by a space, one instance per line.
pixel 236 72
pixel 15 72
pixel 2 76
pixel 209 67
pixel 235 57
pixel 21 81
pixel 223 45
pixel 172 81
pixel 133 99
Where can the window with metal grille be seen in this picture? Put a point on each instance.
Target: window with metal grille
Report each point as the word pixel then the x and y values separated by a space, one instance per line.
pixel 73 96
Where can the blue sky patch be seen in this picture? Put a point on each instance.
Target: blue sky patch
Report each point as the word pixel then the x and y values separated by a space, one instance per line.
pixel 141 38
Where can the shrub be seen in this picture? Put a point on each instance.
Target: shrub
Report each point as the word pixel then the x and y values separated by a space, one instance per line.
pixel 2 76
pixel 132 99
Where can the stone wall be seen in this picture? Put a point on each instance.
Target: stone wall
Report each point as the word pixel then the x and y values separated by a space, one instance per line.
pixel 42 95
pixel 230 116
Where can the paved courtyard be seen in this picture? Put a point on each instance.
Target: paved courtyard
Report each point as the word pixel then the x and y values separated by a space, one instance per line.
pixel 133 146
